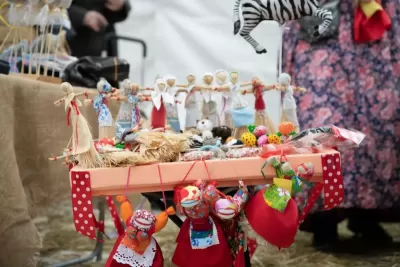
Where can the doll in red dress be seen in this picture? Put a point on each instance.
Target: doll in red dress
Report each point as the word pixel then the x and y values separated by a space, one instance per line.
pixel 160 97
pixel 138 247
pixel 201 241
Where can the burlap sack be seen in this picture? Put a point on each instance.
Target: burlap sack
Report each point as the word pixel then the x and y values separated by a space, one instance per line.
pixel 31 129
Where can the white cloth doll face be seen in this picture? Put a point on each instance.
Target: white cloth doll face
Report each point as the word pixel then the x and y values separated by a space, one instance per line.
pixel 161 85
pixel 191 79
pixel 208 79
pixel 234 76
pixel 221 76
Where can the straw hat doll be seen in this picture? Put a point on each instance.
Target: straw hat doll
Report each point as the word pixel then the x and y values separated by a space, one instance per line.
pixel 82 146
pixel 289 106
pixel 191 101
pixel 201 240
pixel 160 98
pixel 209 106
pixel 172 108
pixel 100 105
pixel 138 247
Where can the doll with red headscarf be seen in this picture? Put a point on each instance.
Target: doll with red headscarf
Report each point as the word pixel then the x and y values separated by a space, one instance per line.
pixel 137 247
pixel 201 240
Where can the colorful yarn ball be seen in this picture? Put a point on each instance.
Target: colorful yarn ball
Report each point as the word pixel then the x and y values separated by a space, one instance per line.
pixel 249 139
pixel 285 128
pixel 274 139
pixel 260 130
pixel 262 140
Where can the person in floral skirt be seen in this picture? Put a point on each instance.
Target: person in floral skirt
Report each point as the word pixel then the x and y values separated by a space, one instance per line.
pixel 354 85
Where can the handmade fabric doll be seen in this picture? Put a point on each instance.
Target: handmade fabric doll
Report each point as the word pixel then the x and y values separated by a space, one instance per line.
pixel 171 108
pixel 160 97
pixel 223 85
pixel 129 113
pixel 138 247
pixel 82 147
pixel 201 241
pixel 191 102
pixel 289 107
pixel 209 108
pixel 240 112
pixel 100 105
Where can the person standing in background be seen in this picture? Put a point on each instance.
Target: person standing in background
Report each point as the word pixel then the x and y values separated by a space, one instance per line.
pixel 91 21
pixel 354 84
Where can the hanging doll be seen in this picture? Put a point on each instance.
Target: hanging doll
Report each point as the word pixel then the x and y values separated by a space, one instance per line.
pixel 201 241
pixel 137 247
pixel 191 103
pixel 100 105
pixel 209 107
pixel 160 98
pixel 171 108
pixel 238 109
pixel 129 113
pixel 289 107
pixel 82 147
pixel 229 210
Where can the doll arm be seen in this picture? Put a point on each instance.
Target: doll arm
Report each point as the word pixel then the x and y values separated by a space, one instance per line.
pixel 299 89
pixel 119 98
pixel 224 88
pixel 182 86
pixel 162 219
pixel 244 84
pixel 272 87
pixel 146 89
pixel 145 98
pixel 88 101
pixel 181 91
pixel 126 209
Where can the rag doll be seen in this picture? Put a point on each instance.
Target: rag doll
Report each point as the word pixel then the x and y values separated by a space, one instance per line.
pixel 129 114
pixel 191 102
pixel 137 247
pixel 262 117
pixel 201 240
pixel 237 110
pixel 160 98
pixel 289 107
pixel 171 108
pixel 209 107
pixel 222 85
pixel 100 105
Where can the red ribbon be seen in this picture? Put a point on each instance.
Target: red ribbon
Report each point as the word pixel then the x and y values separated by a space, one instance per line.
pixel 73 104
pixel 370 29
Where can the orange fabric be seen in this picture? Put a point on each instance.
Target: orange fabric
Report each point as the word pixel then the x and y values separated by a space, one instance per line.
pixel 126 207
pixel 138 244
pixel 162 219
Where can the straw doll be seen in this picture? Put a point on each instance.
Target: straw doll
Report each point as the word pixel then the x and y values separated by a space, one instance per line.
pixel 236 104
pixel 201 241
pixel 171 108
pixel 160 98
pixel 221 81
pixel 191 101
pixel 100 105
pixel 138 247
pixel 209 106
pixel 129 113
pixel 289 106
pixel 82 147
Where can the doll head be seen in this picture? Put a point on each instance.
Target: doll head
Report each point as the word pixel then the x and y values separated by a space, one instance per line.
pixel 170 80
pixel 126 87
pixel 189 196
pixel 225 208
pixel 191 79
pixel 103 86
pixel 221 76
pixel 208 78
pixel 161 84
pixel 256 81
pixel 134 88
pixel 284 79
pixel 143 219
pixel 234 77
pixel 67 88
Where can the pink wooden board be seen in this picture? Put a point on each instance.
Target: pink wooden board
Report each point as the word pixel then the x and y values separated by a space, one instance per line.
pixel 112 181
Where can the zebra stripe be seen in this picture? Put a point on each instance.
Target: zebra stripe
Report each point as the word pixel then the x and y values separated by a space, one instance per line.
pixel 255 11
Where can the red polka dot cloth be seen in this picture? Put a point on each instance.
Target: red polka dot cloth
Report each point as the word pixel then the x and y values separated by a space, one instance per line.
pixel 82 207
pixel 332 186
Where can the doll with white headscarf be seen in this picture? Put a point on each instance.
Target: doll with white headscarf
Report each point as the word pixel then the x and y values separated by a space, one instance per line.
pixel 160 98
pixel 171 107
pixel 209 106
pixel 191 101
pixel 221 80
pixel 289 106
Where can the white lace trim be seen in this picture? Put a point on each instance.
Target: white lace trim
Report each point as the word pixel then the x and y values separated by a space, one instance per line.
pixel 215 239
pixel 125 255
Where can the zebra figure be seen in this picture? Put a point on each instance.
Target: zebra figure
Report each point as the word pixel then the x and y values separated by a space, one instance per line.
pixel 256 11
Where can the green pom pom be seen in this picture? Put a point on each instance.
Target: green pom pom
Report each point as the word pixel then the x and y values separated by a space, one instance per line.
pixel 251 128
pixel 293 133
pixel 121 146
pixel 279 134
